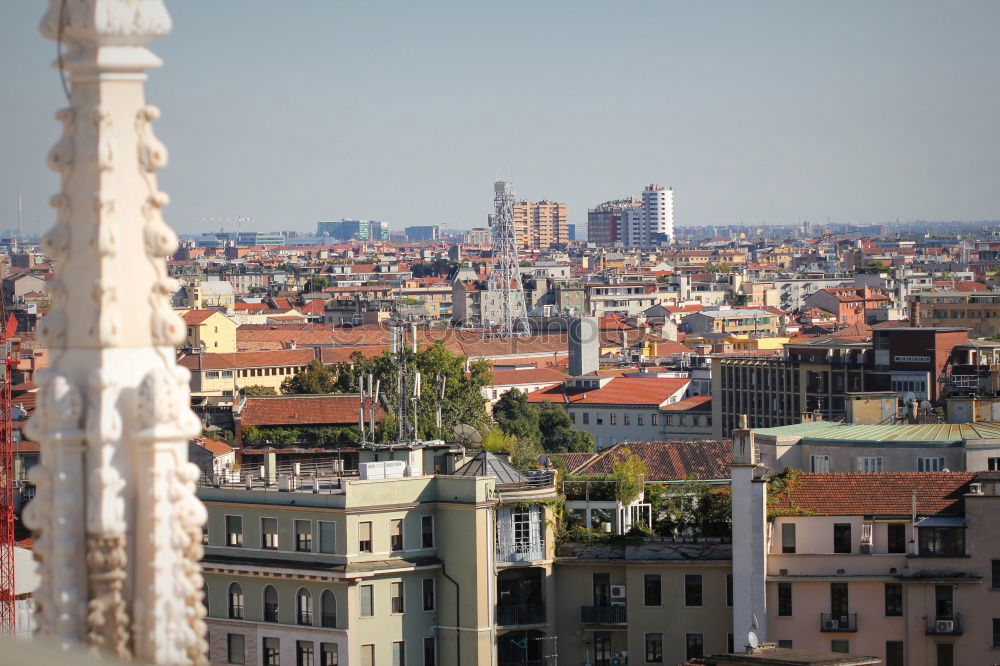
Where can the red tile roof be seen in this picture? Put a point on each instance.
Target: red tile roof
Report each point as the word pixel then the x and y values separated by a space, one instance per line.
pixel 262 359
pixel 573 460
pixel 696 403
pixel 527 376
pixel 669 461
pixel 880 494
pixel 195 317
pixel 652 392
pixel 337 409
pixel 213 445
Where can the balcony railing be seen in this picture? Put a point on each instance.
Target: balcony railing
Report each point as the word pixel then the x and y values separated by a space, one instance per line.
pixel 944 625
pixel 603 615
pixel 521 551
pixel 838 623
pixel 514 614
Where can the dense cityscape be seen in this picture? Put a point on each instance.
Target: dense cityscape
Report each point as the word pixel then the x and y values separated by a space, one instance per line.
pixel 536 435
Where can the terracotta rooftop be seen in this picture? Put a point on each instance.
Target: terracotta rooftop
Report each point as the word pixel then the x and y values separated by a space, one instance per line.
pixel 336 409
pixel 669 461
pixel 878 494
pixel 247 359
pixel 527 376
pixel 213 445
pixel 652 392
pixel 696 403
pixel 195 317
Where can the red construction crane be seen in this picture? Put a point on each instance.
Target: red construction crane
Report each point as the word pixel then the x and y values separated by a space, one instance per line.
pixel 8 611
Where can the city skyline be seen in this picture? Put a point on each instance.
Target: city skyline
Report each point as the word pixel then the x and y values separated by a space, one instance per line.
pixel 771 114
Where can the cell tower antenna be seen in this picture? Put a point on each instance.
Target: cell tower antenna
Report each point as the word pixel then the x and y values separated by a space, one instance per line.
pixel 504 288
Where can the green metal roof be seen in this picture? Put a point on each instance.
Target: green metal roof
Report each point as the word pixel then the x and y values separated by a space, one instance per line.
pixel 845 432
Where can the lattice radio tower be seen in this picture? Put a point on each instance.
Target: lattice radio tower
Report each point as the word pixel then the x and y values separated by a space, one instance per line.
pixel 504 286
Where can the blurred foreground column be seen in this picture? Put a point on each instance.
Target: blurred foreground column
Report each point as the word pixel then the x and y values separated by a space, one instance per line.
pixel 117 523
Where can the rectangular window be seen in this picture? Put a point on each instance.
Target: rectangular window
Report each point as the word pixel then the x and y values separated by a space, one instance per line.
pixel 396 597
pixel 996 632
pixel 365 537
pixel 303 536
pixel 398 653
pixel 572 417
pixel 269 533
pixel 614 418
pixel 235 648
pixel 639 420
pixel 842 538
pixel 842 646
pixel 654 648
pixel 948 541
pixel 396 534
pixel 430 651
pixel 993 464
pixel 934 464
pixel 995 577
pixel 427 532
pixel 945 654
pixel 654 419
pixel 427 589
pixel 692 590
pixel 729 590
pixel 626 419
pixel 234 531
pixel 652 590
pixel 695 645
pixel 894 653
pixel 367 600
pixel 586 418
pixel 304 653
pixel 839 601
pixel 784 599
pixel 327 537
pixel 368 655
pixel 819 464
pixel 869 464
pixel 894 600
pixel 272 652
pixel 787 537
pixel 897 537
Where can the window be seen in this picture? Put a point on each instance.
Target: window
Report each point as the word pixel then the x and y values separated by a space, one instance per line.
pixel 235 601
pixel 995 566
pixel 944 601
pixel 303 536
pixel 842 646
pixel 303 607
pixel 993 464
pixel 327 537
pixel 204 530
pixel 272 652
pixel 430 651
pixel 894 600
pixel 364 537
pixel 427 532
pixel 654 648
pixel 602 648
pixel 786 644
pixel 614 418
pixel 894 653
pixel 626 419
pixel 586 418
pixel 367 600
pixel 329 654
pixel 396 534
pixel 819 464
pixel 327 609
pixel 269 533
pixel 652 590
pixel 398 653
pixel 270 604
pixel 236 648
pixel 654 419
pixel 396 597
pixel 695 645
pixel 935 464
pixel 639 420
pixel 787 537
pixel 234 531
pixel 842 538
pixel 304 653
pixel 948 541
pixel 897 537
pixel 692 590
pixel 839 601
pixel 368 655
pixel 784 599
pixel 996 632
pixel 729 590
pixel 427 589
pixel 869 464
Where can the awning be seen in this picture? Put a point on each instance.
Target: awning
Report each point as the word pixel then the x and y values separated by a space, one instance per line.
pixel 941 521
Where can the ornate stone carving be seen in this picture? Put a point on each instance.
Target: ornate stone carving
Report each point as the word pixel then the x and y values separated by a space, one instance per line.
pixel 107 617
pixel 152 153
pixel 62 154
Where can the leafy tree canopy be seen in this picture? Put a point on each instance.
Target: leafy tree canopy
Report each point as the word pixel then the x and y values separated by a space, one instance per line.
pixel 258 389
pixel 315 378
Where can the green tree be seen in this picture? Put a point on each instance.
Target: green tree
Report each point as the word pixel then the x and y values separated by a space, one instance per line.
pixel 316 283
pixel 315 378
pixel 692 508
pixel 629 474
pixel 558 434
pixel 517 417
pixel 522 454
pixel 258 389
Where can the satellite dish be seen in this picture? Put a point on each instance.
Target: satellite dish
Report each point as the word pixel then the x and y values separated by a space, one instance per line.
pixel 467 435
pixel 752 640
pixel 909 397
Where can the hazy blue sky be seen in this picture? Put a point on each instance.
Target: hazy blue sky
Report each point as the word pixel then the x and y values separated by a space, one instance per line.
pixel 296 111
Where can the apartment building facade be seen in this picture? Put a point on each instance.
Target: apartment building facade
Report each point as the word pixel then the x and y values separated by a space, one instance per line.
pixel 541 225
pixel 604 221
pixel 977 311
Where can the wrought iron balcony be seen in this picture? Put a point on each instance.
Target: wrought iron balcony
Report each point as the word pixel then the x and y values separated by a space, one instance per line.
pixel 603 614
pixel 515 614
pixel 521 551
pixel 944 625
pixel 838 623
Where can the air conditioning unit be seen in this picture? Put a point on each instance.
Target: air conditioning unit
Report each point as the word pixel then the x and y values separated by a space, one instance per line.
pixel 975 489
pixel 945 626
pixel 617 591
pixel 831 625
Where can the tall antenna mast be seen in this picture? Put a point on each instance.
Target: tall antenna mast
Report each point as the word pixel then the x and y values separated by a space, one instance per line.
pixel 20 232
pixel 504 287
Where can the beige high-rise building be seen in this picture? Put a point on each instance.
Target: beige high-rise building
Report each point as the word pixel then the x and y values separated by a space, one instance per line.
pixel 541 225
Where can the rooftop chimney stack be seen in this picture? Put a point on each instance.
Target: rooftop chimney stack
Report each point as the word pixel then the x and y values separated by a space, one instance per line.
pixel 584 346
